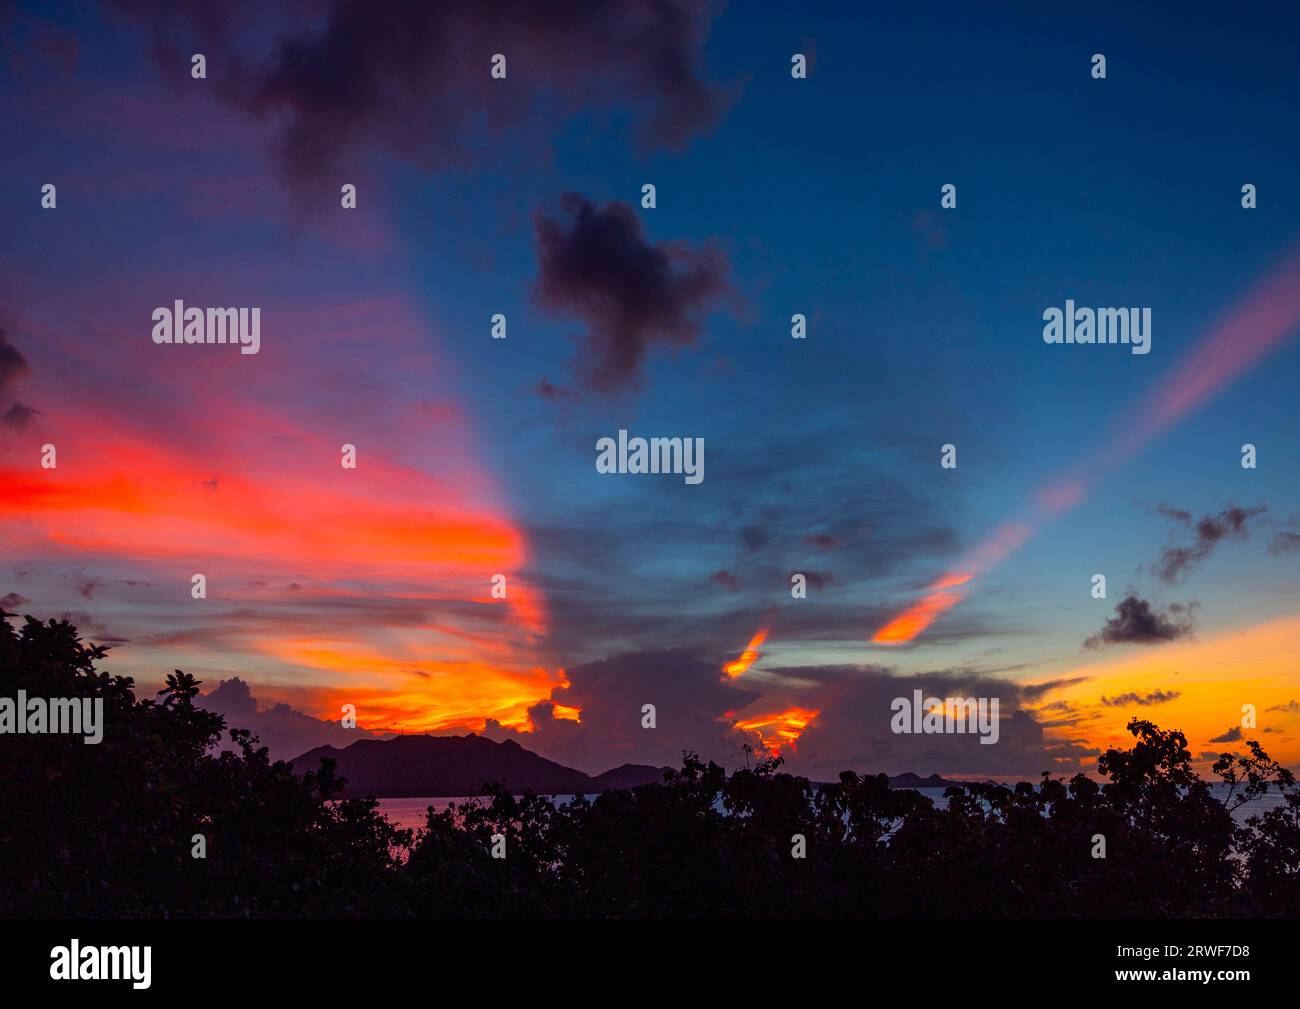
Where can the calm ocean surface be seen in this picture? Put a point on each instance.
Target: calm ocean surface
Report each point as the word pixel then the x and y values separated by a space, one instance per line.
pixel 410 813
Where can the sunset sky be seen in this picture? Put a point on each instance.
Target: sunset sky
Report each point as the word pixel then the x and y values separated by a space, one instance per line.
pixel 372 586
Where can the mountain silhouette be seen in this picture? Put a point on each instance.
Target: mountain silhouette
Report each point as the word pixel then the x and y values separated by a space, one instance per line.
pixel 446 766
pixel 406 766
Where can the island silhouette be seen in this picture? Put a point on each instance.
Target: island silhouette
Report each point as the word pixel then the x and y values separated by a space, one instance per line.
pixel 442 766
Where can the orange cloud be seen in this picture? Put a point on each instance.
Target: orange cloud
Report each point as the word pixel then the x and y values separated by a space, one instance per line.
pixel 351 541
pixel 778 731
pixel 921 614
pixel 748 657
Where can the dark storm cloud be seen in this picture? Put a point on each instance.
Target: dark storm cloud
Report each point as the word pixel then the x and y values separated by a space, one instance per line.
pixel 1136 622
pixel 1179 560
pixel 1133 697
pixel 286 732
pixel 1233 735
pixel 597 263
pixel 412 78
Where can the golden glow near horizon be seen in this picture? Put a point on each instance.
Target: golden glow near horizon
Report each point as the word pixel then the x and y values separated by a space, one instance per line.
pixel 1212 678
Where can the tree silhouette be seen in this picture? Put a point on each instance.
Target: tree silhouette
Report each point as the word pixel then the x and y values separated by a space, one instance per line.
pixel 106 831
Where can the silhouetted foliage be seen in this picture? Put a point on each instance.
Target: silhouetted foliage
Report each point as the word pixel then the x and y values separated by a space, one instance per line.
pixel 105 830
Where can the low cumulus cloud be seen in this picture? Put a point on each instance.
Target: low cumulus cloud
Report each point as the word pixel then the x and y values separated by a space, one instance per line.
pixel 632 293
pixel 1179 560
pixel 286 732
pixel 852 729
pixel 1136 622
pixel 1233 735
